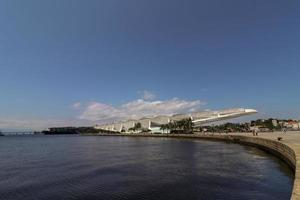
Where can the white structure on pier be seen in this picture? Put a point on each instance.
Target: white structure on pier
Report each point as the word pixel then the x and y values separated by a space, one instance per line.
pixel 198 118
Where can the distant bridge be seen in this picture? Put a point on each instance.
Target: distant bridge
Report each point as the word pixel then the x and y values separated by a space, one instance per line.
pixel 18 132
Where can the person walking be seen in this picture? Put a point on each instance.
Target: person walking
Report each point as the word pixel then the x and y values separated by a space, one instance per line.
pixel 284 130
pixel 256 132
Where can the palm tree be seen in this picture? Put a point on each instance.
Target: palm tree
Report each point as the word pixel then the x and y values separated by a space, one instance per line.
pixel 138 126
pixel 165 127
pixel 184 125
pixel 187 125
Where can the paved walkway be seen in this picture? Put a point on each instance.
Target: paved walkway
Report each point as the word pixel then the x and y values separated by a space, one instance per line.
pixel 291 138
pixel 288 138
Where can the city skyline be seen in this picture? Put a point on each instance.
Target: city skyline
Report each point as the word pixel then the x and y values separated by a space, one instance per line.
pixel 81 63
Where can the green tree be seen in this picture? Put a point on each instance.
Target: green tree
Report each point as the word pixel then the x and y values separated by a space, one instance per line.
pixel 184 126
pixel 138 126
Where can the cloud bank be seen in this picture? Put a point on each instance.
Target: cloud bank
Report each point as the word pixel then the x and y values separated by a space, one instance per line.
pixel 88 114
pixel 100 112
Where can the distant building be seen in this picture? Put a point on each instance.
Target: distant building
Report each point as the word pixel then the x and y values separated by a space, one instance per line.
pixel 294 125
pixel 291 124
pixel 275 122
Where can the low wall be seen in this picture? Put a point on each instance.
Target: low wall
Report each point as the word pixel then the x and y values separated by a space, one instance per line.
pixel 279 149
pixel 283 151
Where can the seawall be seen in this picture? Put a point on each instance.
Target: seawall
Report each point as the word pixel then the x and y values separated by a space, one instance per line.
pixel 288 149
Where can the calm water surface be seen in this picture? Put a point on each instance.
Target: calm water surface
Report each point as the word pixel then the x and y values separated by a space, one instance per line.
pixel 111 168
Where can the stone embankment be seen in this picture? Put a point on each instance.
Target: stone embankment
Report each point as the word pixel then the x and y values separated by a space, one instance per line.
pixel 287 148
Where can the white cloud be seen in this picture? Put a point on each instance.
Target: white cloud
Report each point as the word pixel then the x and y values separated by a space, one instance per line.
pixel 76 105
pixel 96 111
pixel 147 95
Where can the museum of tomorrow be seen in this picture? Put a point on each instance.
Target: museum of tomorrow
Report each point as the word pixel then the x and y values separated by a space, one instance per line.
pixel 153 124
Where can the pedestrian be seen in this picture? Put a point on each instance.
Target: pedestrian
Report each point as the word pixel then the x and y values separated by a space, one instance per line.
pixel 284 130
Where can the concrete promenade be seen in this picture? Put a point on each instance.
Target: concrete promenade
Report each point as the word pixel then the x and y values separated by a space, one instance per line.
pixel 288 148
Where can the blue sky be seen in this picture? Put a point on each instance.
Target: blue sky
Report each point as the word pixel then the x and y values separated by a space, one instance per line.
pixel 68 62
